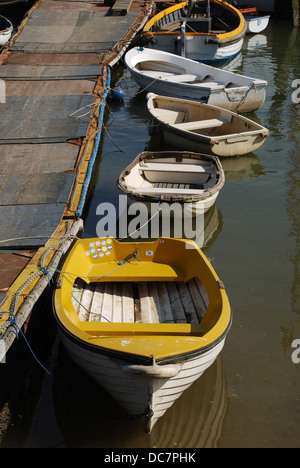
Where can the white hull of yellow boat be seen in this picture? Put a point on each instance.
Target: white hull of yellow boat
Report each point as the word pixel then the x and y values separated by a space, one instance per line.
pixel 197 48
pixel 144 397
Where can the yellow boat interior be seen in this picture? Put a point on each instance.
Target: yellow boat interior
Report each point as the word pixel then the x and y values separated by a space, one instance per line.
pixel 137 297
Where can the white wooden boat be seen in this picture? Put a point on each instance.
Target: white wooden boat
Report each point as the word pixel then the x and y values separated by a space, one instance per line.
pixel 171 75
pixel 206 30
pixel 203 128
pixel 144 319
pixel 256 24
pixel 194 180
pixel 6 29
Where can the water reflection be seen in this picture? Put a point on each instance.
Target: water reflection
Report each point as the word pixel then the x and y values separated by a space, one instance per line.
pixel 243 168
pixel 256 43
pixel 89 418
pixel 293 210
pixel 204 231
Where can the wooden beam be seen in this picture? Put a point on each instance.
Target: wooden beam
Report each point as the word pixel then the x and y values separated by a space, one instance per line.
pixel 295 6
pixel 121 7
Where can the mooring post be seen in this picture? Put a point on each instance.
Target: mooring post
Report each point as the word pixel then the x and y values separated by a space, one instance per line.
pixel 182 38
pixel 295 6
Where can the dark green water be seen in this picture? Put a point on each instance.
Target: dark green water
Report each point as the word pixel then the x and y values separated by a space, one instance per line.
pixel 251 395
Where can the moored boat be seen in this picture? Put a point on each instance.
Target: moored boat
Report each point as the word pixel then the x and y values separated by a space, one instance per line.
pixel 171 75
pixel 144 319
pixel 206 30
pixel 203 128
pixel 193 180
pixel 6 29
pixel 256 24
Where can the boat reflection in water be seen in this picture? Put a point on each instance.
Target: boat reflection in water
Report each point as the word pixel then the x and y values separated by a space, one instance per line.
pixel 89 418
pixel 243 168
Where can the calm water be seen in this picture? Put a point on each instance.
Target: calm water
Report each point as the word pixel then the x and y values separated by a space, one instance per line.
pixel 251 396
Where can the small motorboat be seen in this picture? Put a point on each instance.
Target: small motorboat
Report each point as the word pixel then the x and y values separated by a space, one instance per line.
pixel 194 180
pixel 6 29
pixel 203 128
pixel 171 75
pixel 206 30
pixel 144 319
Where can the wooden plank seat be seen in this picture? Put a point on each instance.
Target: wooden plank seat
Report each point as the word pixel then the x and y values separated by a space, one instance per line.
pixel 157 73
pixel 146 302
pixel 184 78
pixel 170 116
pixel 200 124
pixel 169 191
pixel 177 168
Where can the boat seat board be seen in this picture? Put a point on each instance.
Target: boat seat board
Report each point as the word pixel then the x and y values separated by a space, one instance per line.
pixel 157 73
pixel 168 190
pixel 142 302
pixel 191 79
pixel 201 124
pixel 170 116
pixel 178 168
pixel 183 78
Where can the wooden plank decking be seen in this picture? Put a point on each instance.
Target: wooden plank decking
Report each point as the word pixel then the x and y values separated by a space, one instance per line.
pixel 146 302
pixel 55 70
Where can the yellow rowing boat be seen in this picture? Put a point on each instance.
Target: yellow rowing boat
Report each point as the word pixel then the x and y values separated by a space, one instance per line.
pixel 145 319
pixel 203 30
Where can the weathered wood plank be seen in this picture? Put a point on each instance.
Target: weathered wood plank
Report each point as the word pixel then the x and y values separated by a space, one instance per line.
pixel 176 304
pixel 97 302
pixel 128 302
pixel 165 305
pixel 85 303
pixel 145 303
pixel 158 302
pixel 107 307
pixel 197 299
pixel 117 303
pixel 190 311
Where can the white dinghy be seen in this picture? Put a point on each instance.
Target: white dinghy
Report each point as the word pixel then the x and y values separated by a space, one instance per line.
pixel 172 176
pixel 203 128
pixel 171 75
pixel 256 24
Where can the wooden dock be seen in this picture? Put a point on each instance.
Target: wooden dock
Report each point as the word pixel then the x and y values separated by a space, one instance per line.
pixel 57 74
